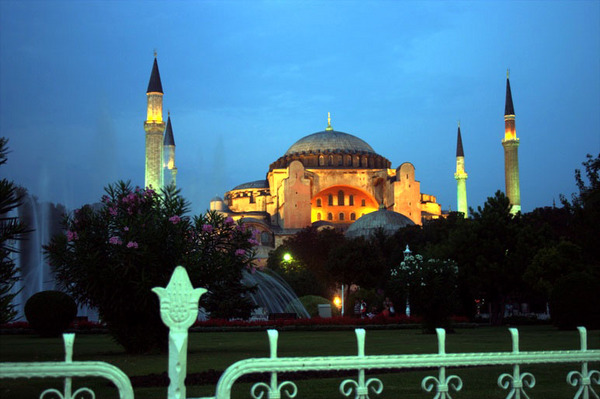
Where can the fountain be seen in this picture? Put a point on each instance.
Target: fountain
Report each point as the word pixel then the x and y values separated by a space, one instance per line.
pixel 273 294
pixel 43 219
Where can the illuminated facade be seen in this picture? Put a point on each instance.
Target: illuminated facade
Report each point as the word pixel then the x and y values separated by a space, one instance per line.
pixel 461 177
pixel 328 178
pixel 157 138
pixel 511 153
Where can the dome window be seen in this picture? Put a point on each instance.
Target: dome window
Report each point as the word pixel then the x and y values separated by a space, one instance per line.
pixel 330 216
pixel 330 200
pixel 341 216
pixel 351 200
pixel 340 198
pixel 353 216
pixel 319 204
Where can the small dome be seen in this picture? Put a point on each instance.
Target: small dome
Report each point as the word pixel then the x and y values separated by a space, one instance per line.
pixel 330 140
pixel 253 184
pixel 217 199
pixel 367 225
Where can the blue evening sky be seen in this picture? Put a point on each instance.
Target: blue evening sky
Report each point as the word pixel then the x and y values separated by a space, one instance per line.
pixel 244 80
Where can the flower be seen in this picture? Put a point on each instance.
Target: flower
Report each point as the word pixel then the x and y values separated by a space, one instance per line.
pixel 72 235
pixel 207 228
pixel 229 220
pixel 125 228
pixel 115 240
pixel 132 244
pixel 253 241
pixel 175 219
pixel 240 252
pixel 112 211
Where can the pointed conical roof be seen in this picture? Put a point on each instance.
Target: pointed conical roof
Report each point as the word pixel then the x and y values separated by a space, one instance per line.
pixel 459 146
pixel 155 86
pixel 169 140
pixel 508 107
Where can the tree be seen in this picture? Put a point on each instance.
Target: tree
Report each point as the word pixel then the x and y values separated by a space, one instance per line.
pixel 430 285
pixel 309 250
pixel 11 230
pixel 111 255
pixel 585 210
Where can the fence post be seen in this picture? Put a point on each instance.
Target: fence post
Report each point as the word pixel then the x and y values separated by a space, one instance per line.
pixel 178 311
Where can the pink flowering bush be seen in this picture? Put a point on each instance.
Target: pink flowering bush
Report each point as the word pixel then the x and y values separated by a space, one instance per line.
pixel 112 254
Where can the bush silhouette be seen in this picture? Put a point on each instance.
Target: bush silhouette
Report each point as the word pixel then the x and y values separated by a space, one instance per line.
pixel 574 302
pixel 49 313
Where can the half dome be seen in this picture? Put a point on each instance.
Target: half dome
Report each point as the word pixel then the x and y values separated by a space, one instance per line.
pixel 367 225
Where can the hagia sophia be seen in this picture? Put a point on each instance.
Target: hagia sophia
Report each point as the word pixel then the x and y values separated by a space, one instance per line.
pixel 325 179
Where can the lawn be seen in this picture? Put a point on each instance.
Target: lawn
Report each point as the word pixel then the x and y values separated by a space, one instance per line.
pixel 219 350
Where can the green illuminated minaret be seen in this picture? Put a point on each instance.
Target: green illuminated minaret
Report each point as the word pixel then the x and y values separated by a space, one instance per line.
pixel 154 127
pixel 511 153
pixel 461 177
pixel 170 170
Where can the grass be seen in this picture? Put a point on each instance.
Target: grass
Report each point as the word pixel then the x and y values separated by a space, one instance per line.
pixel 219 350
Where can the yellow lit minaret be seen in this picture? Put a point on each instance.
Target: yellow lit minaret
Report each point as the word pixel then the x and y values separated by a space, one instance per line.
pixel 461 177
pixel 511 153
pixel 154 127
pixel 170 170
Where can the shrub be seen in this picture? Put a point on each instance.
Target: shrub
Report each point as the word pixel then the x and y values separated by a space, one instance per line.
pixel 49 313
pixel 574 301
pixel 311 304
pixel 112 255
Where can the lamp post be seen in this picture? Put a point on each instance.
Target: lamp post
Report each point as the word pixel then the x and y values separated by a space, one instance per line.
pixel 407 253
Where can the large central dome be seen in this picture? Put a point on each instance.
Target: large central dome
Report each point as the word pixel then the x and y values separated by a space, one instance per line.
pixel 330 141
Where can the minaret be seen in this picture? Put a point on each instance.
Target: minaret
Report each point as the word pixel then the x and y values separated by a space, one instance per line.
pixel 154 127
pixel 461 177
pixel 170 170
pixel 511 153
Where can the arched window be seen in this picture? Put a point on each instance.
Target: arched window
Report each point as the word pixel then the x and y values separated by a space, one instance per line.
pixel 340 198
pixel 363 202
pixel 321 160
pixel 319 202
pixel 351 200
pixel 341 216
pixel 348 160
pixel 319 216
pixel 265 238
pixel 353 216
pixel 331 160
pixel 356 161
pixel 340 160
pixel 330 200
pixel 365 163
pixel 330 216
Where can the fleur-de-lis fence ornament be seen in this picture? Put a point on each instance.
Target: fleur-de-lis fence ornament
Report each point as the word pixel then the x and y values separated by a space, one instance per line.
pixel 68 339
pixel 361 386
pixel 443 383
pixel 585 378
pixel 274 389
pixel 517 381
pixel 178 311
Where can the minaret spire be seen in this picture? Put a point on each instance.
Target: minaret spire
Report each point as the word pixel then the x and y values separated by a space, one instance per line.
pixel 461 177
pixel 170 170
pixel 154 127
pixel 511 152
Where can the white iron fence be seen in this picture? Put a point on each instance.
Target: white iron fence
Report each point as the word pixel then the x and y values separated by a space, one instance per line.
pixel 179 309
